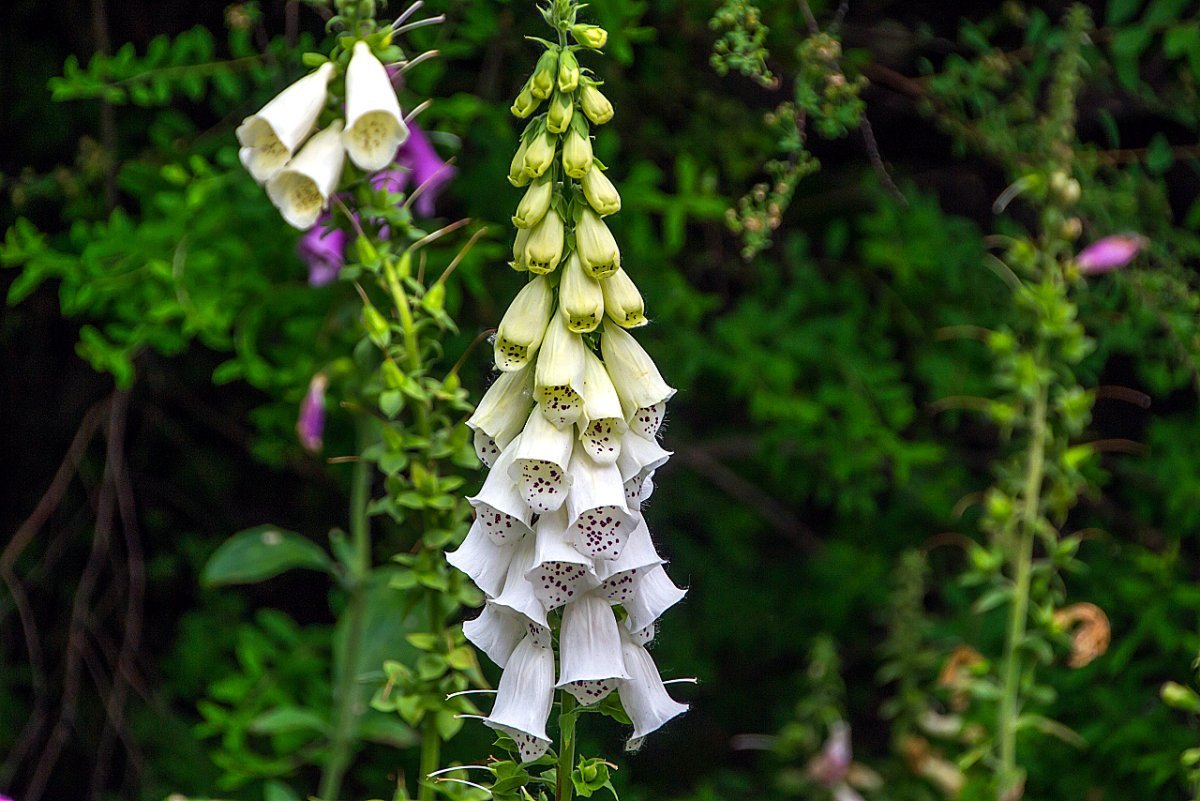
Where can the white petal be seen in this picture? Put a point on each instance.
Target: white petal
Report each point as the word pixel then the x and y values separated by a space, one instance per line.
pixel 499 507
pixel 523 326
pixel 374 126
pixel 524 698
pixel 639 489
pixel 603 420
pixel 503 410
pixel 273 134
pixel 590 650
pixel 637 380
pixel 600 521
pixel 559 573
pixel 496 632
pixel 648 419
pixel 580 297
pixel 654 594
pixel 640 456
pixel 620 577
pixel 643 695
pixel 558 380
pixel 518 595
pixel 641 636
pixel 541 456
pixel 302 189
pixel 486 448
pixel 482 559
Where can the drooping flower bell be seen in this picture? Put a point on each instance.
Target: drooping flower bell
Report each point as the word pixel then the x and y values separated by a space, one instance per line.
pixel 302 189
pixel 310 423
pixel 270 137
pixel 1110 253
pixel 374 126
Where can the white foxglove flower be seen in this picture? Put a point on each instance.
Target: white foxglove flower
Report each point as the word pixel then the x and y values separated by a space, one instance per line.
pixel 499 507
pixel 619 578
pixel 524 325
pixel 558 377
pixel 270 137
pixel 516 168
pixel 559 573
pixel 642 695
pixel 501 414
pixel 596 106
pixel 481 558
pixel 640 457
pixel 590 654
pixel 597 247
pixel 518 596
pixel 600 193
pixel 654 594
pixel 580 297
pixel 560 112
pixel 600 521
pixel 535 203
pixel 577 152
pixel 302 189
pixel 497 632
pixel 524 698
pixel 539 154
pixel 639 489
pixel 622 301
pixel 519 243
pixel 540 458
pixel 544 245
pixel 374 125
pixel 640 386
pixel 603 422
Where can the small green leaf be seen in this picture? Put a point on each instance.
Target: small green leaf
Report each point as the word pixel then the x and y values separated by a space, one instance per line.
pixel 261 553
pixel 286 719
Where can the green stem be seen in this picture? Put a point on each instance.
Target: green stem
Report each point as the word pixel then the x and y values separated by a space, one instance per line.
pixel 431 754
pixel 346 702
pixel 1022 562
pixel 566 752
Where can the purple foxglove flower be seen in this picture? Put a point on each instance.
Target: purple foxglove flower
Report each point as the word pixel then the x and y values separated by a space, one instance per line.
pixel 310 424
pixel 829 768
pixel 419 162
pixel 324 251
pixel 1110 253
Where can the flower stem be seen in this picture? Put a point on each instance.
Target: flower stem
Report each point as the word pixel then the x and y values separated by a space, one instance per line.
pixel 566 752
pixel 431 754
pixel 346 706
pixel 1022 561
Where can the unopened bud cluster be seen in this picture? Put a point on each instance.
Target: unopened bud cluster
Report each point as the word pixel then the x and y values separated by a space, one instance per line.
pixel 569 431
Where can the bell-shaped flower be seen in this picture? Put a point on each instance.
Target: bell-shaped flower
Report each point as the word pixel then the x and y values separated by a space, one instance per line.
pixel 481 558
pixel 558 378
pixel 597 247
pixel 519 596
pixel 638 490
pixel 540 458
pixel 429 172
pixel 643 695
pixel 568 72
pixel 374 125
pixel 302 189
pixel 580 297
pixel 525 103
pixel 603 422
pixel 544 247
pixel 1110 253
pixel 270 137
pixel 496 631
pixel 310 423
pixel 539 154
pixel 559 572
pixel 622 301
pixel 639 456
pixel 501 413
pixel 600 193
pixel 577 150
pixel 519 242
pixel 654 594
pixel 535 203
pixel 545 73
pixel 596 107
pixel 516 168
pixel 639 385
pixel 600 521
pixel 619 577
pixel 560 112
pixel 523 326
pixel 323 249
pixel 590 653
pixel 524 698
pixel 499 507
pixel 592 36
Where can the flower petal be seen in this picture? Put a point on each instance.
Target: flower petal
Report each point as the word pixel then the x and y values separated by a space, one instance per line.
pixel 559 573
pixel 655 594
pixel 600 521
pixel 590 650
pixel 643 695
pixel 524 698
pixel 482 559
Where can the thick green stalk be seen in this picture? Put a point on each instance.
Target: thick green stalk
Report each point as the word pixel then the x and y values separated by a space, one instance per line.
pixel 346 707
pixel 566 751
pixel 1022 562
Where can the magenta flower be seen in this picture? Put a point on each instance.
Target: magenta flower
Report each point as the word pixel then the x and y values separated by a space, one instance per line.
pixel 310 424
pixel 1110 253
pixel 324 250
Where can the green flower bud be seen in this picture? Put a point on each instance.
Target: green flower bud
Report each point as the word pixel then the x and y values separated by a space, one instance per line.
pixel 544 248
pixel 377 327
pixel 592 36
pixel 595 105
pixel 535 203
pixel 561 110
pixel 580 297
pixel 541 83
pixel 568 72
pixel 597 248
pixel 577 152
pixel 539 155
pixel 600 193
pixel 526 103
pixel 392 377
pixel 516 168
pixel 622 301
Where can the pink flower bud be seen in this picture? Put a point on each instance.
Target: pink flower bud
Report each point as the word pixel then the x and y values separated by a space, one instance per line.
pixel 310 425
pixel 1110 253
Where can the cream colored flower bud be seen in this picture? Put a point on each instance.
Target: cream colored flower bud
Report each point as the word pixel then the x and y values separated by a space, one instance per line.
pixel 516 168
pixel 518 259
pixel 637 381
pixel 374 125
pixel 596 106
pixel 541 83
pixel 622 301
pixel 577 152
pixel 539 154
pixel 568 72
pixel 525 103
pixel 592 36
pixel 270 137
pixel 580 297
pixel 562 109
pixel 600 193
pixel 558 378
pixel 302 189
pixel 535 203
pixel 597 247
pixel 544 248
pixel 524 325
